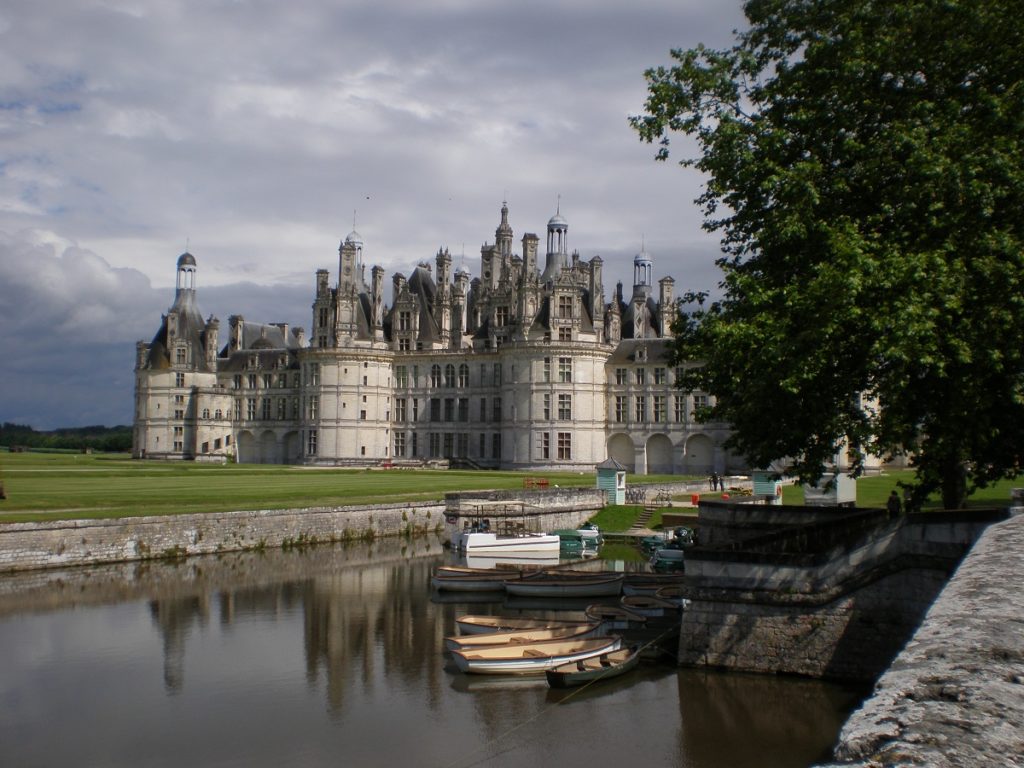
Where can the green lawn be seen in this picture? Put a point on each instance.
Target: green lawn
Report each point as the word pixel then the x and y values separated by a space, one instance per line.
pixel 41 486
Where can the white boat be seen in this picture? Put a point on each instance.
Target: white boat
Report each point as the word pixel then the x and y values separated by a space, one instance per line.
pixel 549 585
pixel 470 624
pixel 531 658
pixel 518 637
pixel 490 543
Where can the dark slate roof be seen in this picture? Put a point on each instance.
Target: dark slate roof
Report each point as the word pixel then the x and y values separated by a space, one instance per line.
pixel 625 352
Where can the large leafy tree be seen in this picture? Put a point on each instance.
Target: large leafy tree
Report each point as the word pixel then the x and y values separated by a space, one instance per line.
pixel 865 168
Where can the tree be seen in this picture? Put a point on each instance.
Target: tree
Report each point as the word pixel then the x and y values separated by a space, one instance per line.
pixel 865 167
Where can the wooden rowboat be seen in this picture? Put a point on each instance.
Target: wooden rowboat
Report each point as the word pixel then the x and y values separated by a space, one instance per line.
pixel 478 625
pixel 481 581
pixel 565 586
pixel 602 667
pixel 649 606
pixel 615 616
pixel 518 637
pixel 531 658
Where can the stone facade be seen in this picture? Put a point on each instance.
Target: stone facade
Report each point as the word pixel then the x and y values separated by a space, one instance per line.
pixel 526 366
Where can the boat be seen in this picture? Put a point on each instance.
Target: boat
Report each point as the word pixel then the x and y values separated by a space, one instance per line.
pixel 479 625
pixel 591 535
pixel 648 584
pixel 462 570
pixel 673 593
pixel 614 616
pixel 649 606
pixel 472 582
pixel 593 668
pixel 520 636
pixel 549 585
pixel 531 658
pixel 513 531
pixel 668 559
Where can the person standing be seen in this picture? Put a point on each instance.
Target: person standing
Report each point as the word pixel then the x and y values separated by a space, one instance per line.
pixel 893 504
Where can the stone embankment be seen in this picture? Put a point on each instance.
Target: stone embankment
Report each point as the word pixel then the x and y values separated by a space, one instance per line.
pixel 954 696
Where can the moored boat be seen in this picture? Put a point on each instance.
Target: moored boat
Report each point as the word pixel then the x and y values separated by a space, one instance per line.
pixel 601 667
pixel 614 616
pixel 518 637
pixel 649 583
pixel 668 559
pixel 471 624
pixel 472 582
pixel 531 658
pixel 489 543
pixel 550 585
pixel 649 606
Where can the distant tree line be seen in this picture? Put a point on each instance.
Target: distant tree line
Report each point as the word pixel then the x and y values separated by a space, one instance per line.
pixel 97 438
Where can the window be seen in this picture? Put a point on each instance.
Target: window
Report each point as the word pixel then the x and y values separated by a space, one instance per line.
pixel 414 444
pixel 659 414
pixel 405 321
pixel 659 376
pixel 483 409
pixel 496 409
pixel 401 376
pixel 251 381
pixel 565 369
pixel 205 448
pixel 435 445
pixel 449 444
pixel 700 401
pixel 236 381
pixel 321 341
pixel 404 345
pixel 179 356
pixel 400 409
pixel 399 443
pixel 415 410
pixel 565 446
pixel 218 414
pixel 621 376
pixel 621 408
pixel 265 409
pixel 282 409
pixel 295 407
pixel 250 408
pixel 362 415
pixel 179 379
pixel 565 307
pixel 565 334
pixel 314 374
pixel 435 409
pixel 435 375
pixel 322 316
pixel 268 380
pixel 463 409
pixel 462 449
pixel 216 444
pixel 463 375
pixel 238 407
pixel 496 445
pixel 641 375
pixel 545 445
pixel 311 443
pixel 312 408
pixel 547 407
pixel 449 409
pixel 547 369
pixel 501 316
pixel 449 375
pixel 565 407
pixel 282 380
pixel 641 408
pixel 497 373
pixel 179 413
pixel 179 445
pixel 483 446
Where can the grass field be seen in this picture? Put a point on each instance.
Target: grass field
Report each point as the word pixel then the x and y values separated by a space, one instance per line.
pixel 55 486
pixel 49 486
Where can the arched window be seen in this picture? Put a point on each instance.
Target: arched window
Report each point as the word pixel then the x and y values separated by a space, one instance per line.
pixel 435 375
pixel 206 413
pixel 463 375
pixel 449 375
pixel 218 413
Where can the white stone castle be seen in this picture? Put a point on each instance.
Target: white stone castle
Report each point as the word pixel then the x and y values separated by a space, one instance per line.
pixel 522 368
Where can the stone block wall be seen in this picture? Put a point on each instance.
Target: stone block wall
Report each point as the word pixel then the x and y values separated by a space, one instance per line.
pixel 59 544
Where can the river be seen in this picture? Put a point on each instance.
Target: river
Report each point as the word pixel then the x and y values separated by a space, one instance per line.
pixel 333 656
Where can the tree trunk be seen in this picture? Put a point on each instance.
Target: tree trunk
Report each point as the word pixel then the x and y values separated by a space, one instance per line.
pixel 954 484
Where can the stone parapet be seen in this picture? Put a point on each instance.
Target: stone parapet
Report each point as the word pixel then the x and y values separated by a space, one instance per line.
pixel 954 696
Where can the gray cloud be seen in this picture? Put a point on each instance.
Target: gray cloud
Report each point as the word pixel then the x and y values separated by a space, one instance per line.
pixel 249 132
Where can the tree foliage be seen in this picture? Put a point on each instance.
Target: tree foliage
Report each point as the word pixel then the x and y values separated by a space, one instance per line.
pixel 865 168
pixel 97 438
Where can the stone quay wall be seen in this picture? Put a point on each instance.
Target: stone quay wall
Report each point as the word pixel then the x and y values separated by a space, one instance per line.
pixel 954 696
pixel 59 544
pixel 822 600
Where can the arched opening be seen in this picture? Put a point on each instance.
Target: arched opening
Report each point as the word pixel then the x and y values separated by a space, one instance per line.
pixel 659 455
pixel 269 453
pixel 245 448
pixel 620 448
pixel 700 455
pixel 292 448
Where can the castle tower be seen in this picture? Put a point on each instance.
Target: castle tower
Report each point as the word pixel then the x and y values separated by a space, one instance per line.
pixel 503 234
pixel 643 271
pixel 350 261
pixel 666 307
pixel 558 244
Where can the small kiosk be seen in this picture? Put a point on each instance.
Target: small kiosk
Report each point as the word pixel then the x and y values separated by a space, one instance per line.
pixel 611 478
pixel 767 485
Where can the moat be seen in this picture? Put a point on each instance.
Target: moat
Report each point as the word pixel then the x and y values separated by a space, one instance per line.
pixel 334 654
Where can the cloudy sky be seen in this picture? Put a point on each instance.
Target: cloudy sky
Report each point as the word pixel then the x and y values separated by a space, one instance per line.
pixel 255 133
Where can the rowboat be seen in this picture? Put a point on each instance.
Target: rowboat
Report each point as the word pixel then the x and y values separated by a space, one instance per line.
pixel 531 658
pixel 667 559
pixel 614 616
pixel 649 583
pixel 593 668
pixel 462 570
pixel 673 593
pixel 518 637
pixel 547 585
pixel 649 606
pixel 471 582
pixel 478 625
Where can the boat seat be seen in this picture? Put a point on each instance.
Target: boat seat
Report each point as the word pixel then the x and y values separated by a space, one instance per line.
pixel 533 652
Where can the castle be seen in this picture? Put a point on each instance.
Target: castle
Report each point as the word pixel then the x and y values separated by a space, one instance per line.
pixel 523 367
